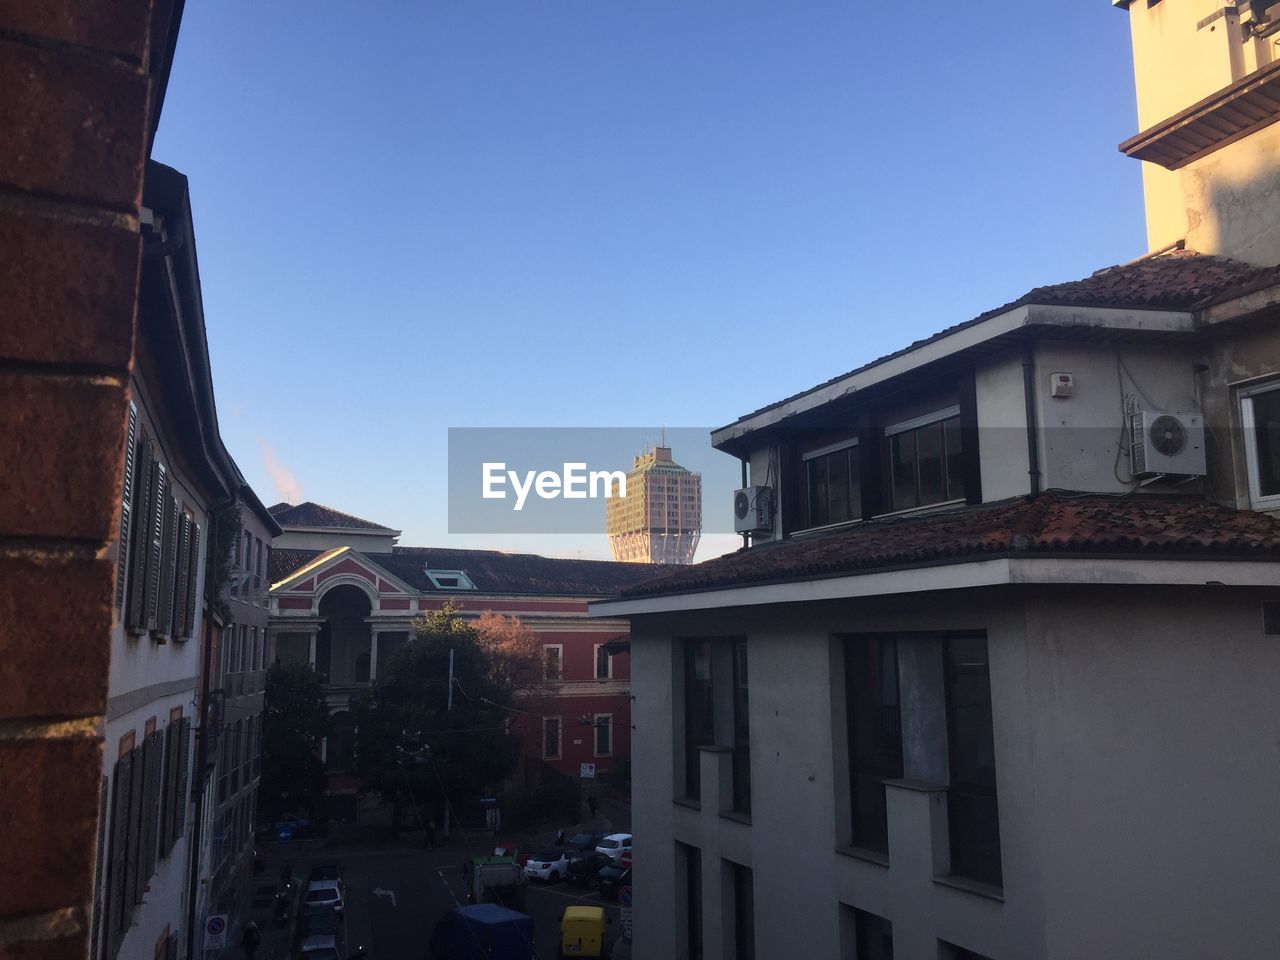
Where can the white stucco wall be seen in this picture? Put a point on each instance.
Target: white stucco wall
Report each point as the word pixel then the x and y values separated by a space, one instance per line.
pixel 1002 427
pixel 1137 736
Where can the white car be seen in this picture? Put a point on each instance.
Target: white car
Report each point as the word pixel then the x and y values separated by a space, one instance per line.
pixel 320 947
pixel 550 865
pixel 323 895
pixel 615 845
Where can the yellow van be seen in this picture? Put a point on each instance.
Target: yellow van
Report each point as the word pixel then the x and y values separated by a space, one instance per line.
pixel 582 932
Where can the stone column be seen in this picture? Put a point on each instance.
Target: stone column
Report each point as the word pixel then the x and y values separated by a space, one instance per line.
pixel 373 655
pixel 311 649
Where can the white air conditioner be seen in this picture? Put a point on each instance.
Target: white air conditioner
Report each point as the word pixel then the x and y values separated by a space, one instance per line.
pixel 752 509
pixel 1167 443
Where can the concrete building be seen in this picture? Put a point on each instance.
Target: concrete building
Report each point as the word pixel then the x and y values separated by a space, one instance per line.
pixel 660 518
pixel 345 609
pixel 996 677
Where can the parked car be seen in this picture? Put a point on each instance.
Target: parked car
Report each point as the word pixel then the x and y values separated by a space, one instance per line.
pixel 319 947
pixel 611 879
pixel 584 841
pixel 550 865
pixel 325 871
pixel 322 895
pixel 321 923
pixel 584 865
pixel 615 845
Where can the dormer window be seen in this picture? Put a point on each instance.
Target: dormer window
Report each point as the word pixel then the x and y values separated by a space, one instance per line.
pixel 450 579
pixel 833 484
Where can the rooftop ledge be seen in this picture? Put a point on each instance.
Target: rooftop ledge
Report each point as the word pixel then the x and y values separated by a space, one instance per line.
pixel 1248 105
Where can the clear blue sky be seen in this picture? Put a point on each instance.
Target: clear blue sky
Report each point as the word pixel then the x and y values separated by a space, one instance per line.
pixel 430 213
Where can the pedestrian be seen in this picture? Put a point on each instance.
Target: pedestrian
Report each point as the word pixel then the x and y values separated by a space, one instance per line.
pixel 249 942
pixel 431 834
pixel 560 838
pixel 593 805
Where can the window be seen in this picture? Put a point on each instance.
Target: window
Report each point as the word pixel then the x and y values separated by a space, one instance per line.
pixel 604 734
pixel 604 662
pixel 552 661
pixel 926 460
pixel 699 713
pixel 1260 414
pixel 449 579
pixel 692 858
pixel 744 912
pixel 550 738
pixel 741 730
pixel 875 734
pixel 972 811
pixel 872 935
pixel 833 485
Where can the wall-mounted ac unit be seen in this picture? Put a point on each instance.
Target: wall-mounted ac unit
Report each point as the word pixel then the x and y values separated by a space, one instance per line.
pixel 753 509
pixel 1167 443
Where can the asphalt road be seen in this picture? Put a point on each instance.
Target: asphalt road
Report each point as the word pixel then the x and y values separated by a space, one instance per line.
pixel 395 897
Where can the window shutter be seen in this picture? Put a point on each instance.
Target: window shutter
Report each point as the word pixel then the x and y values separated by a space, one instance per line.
pixel 151 810
pixel 184 769
pixel 169 564
pixel 99 874
pixel 117 914
pixel 181 585
pixel 133 859
pixel 193 583
pixel 155 540
pixel 164 823
pixel 126 505
pixel 142 473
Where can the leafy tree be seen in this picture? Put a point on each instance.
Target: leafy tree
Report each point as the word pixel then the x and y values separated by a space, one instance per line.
pixel 295 719
pixel 411 747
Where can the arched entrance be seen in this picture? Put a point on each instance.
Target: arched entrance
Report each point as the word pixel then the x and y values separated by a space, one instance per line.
pixel 342 643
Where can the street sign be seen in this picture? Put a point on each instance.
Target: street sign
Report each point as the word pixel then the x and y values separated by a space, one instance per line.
pixel 285 834
pixel 626 923
pixel 215 932
pixel 624 896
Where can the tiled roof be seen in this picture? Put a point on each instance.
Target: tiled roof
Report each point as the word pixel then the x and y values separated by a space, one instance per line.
pixel 1055 523
pixel 318 515
pixel 490 570
pixel 1179 280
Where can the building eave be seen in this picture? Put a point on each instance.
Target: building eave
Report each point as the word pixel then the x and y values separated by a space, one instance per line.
pixel 962 575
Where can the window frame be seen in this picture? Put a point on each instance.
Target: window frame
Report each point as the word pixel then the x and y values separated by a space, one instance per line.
pixel 559 648
pixel 859 770
pixel 559 725
pixel 1249 428
pixel 608 661
pixel 603 721
pixel 939 416
pixel 854 481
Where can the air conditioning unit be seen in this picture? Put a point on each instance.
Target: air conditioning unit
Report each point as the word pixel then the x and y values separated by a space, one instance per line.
pixel 753 509
pixel 1167 443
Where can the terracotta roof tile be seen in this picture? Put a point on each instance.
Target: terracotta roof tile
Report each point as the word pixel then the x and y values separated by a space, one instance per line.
pixel 1055 522
pixel 311 514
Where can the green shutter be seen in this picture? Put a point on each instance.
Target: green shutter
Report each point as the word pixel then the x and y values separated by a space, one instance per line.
pixel 126 506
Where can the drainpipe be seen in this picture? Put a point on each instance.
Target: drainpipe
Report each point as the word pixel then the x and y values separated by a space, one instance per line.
pixel 1029 398
pixel 746 538
pixel 202 741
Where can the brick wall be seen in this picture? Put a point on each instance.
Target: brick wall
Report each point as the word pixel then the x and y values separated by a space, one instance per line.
pixel 75 115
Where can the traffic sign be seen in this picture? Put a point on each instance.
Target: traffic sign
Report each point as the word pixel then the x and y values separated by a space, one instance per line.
pixel 624 896
pixel 215 930
pixel 285 834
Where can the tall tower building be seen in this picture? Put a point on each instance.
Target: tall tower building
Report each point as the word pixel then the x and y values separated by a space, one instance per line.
pixel 660 518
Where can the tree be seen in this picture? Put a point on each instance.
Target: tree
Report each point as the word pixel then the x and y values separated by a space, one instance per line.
pixel 411 747
pixel 295 719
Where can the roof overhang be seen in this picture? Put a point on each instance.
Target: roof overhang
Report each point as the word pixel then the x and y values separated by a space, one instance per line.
pixel 961 575
pixel 1234 112
pixel 968 338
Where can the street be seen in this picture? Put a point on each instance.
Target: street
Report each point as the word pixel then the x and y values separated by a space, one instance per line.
pixel 395 896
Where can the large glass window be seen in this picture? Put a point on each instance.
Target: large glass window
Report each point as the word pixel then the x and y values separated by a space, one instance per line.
pixel 693 899
pixel 604 734
pixel 834 493
pixel 972 811
pixel 744 913
pixel 552 665
pixel 1261 414
pixel 926 461
pixel 550 738
pixel 875 734
pixel 873 936
pixel 699 712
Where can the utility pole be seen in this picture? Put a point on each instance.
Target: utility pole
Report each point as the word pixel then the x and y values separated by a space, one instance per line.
pixel 450 709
